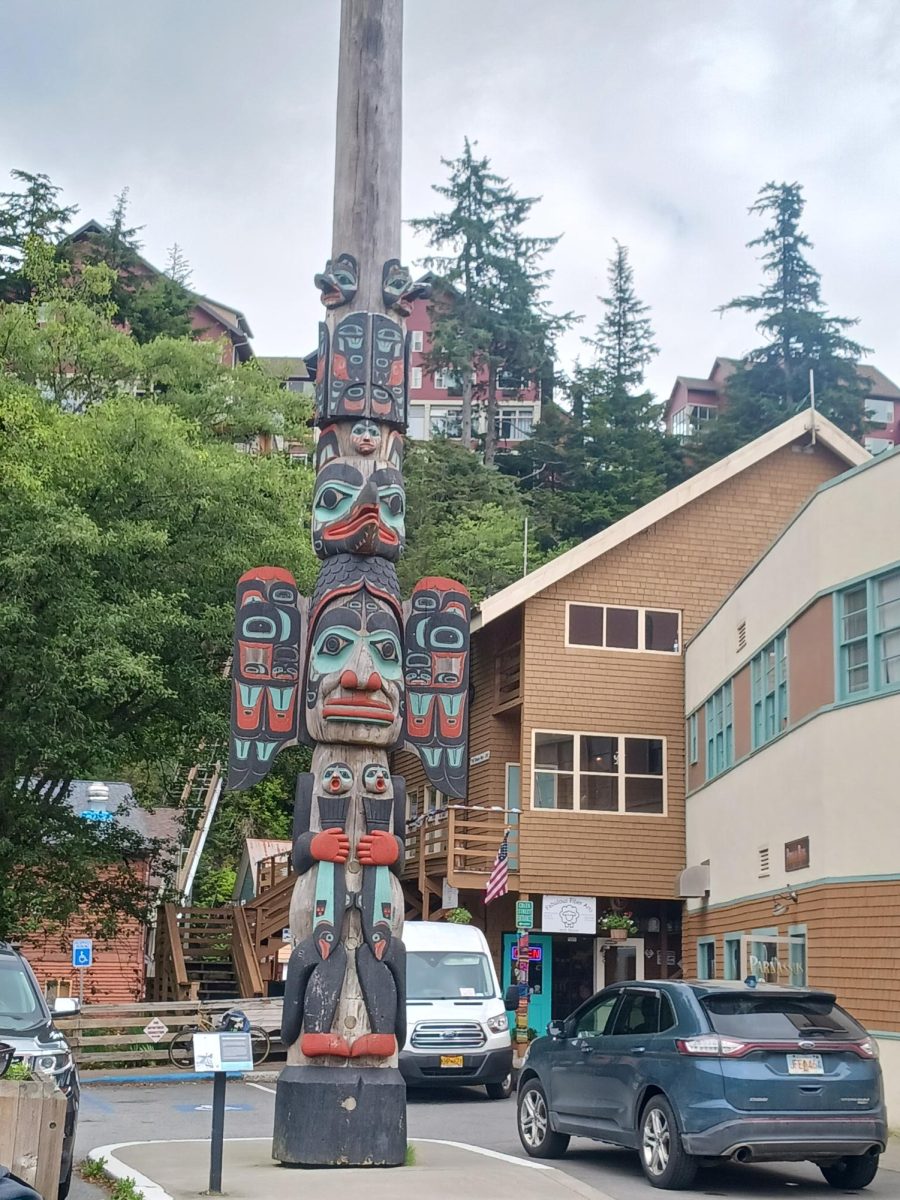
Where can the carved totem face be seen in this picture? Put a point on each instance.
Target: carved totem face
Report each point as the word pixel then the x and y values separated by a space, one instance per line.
pixel 357 510
pixel 339 281
pixel 398 290
pixel 355 672
pixel 362 439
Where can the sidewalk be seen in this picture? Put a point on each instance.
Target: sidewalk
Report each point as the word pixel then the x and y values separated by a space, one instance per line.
pixel 442 1171
pixel 169 1075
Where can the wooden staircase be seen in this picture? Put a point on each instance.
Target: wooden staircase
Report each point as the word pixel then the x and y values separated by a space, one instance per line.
pixel 205 954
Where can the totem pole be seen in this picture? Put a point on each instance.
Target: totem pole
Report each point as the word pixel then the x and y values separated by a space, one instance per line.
pixel 353 671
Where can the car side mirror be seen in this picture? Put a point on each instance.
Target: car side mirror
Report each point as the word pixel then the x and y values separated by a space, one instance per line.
pixel 65 1006
pixel 511 998
pixel 556 1029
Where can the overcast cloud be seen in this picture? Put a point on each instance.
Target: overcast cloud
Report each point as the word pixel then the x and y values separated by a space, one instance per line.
pixel 651 121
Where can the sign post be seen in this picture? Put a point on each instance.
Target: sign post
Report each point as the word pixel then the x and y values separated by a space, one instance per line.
pixel 524 925
pixel 82 958
pixel 220 1053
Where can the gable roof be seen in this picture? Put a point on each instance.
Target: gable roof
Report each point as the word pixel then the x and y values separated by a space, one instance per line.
pixel 669 502
pixel 284 367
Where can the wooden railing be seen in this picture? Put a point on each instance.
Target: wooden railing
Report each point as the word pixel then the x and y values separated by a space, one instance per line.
pixel 460 844
pixel 508 677
pixel 243 953
pixel 271 871
pixel 171 981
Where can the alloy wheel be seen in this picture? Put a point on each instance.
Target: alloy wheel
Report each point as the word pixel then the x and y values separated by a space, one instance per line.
pixel 655 1144
pixel 533 1118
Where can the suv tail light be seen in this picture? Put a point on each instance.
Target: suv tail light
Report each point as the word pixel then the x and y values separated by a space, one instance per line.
pixel 711 1045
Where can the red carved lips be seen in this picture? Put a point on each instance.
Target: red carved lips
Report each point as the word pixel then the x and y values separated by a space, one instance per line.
pixel 364 520
pixel 358 706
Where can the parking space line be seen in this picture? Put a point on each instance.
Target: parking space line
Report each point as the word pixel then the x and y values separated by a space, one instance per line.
pixel 260 1087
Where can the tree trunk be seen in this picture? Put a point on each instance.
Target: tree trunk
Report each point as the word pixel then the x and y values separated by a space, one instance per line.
pixel 490 433
pixel 468 387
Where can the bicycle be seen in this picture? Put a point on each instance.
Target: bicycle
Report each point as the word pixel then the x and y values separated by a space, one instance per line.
pixel 181 1046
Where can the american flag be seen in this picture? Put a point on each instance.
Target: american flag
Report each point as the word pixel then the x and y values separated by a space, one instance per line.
pixel 498 884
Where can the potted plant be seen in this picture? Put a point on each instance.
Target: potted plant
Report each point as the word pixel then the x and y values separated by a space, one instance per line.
pixel 459 916
pixel 619 925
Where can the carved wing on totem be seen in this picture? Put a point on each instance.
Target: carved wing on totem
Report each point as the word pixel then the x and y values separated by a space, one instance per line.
pixel 437 681
pixel 265 671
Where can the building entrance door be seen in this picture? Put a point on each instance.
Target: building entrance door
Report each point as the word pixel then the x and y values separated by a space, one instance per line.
pixel 619 962
pixel 540 977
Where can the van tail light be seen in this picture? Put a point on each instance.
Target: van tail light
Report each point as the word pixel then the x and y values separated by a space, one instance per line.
pixel 711 1045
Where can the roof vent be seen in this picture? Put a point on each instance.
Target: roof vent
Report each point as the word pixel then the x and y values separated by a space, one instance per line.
pixel 742 636
pixel 763 860
pixel 98 803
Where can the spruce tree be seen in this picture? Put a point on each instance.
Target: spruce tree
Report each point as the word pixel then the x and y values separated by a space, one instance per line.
pixel 489 317
pixel 799 335
pixel 33 211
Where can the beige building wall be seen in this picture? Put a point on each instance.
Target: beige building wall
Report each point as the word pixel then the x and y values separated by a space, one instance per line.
pixel 847 531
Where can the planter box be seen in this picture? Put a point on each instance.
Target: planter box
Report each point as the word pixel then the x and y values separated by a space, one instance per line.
pixel 32 1120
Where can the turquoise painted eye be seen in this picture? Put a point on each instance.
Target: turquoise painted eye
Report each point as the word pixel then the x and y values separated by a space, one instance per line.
pixel 334 500
pixel 334 643
pixel 386 649
pixel 393 505
pixel 332 650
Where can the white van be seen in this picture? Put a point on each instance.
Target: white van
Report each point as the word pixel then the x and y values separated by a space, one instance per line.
pixel 457 1028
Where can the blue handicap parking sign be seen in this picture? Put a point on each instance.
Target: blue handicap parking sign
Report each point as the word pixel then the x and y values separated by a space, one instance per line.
pixel 82 952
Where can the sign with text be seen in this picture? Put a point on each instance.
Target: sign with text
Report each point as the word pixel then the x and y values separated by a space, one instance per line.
pixel 83 952
pixel 156 1030
pixel 524 914
pixel 569 914
pixel 223 1052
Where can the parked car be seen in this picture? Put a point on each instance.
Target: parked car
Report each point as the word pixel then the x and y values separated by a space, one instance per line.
pixel 457 1028
pixel 26 1023
pixel 688 1073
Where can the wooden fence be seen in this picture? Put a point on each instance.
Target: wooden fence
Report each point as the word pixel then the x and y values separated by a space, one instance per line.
pixel 113 1036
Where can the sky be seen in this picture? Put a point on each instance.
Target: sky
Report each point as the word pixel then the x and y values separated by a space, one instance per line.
pixel 654 122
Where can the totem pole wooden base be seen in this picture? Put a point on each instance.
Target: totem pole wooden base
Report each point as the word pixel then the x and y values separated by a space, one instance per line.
pixel 351 1117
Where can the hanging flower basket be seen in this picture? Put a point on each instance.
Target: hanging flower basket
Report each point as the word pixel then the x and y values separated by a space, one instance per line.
pixel 618 925
pixel 618 934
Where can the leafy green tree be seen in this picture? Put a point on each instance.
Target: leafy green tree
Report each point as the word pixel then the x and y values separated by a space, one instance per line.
pixel 585 469
pixel 124 530
pixel 798 337
pixel 490 317
pixel 33 211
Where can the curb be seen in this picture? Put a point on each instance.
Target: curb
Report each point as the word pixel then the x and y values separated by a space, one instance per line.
pixel 180 1077
pixel 115 1168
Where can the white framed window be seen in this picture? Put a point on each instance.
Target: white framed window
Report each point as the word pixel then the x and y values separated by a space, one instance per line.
pixel 706 958
pixel 613 627
pixel 445 422
pixel 693 748
pixel 444 380
pixel 598 772
pixel 880 412
pixel 514 424
pixel 877 445
pixel 415 378
pixel 417 342
pixel 692 419
pixel 769 682
pixel 415 424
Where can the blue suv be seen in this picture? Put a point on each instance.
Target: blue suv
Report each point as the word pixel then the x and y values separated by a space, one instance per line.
pixel 690 1072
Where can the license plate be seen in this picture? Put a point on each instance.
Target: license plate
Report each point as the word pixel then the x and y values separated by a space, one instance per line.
pixel 451 1060
pixel 805 1064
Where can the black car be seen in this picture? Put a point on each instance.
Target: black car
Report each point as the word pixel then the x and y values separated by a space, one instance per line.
pixel 26 1024
pixel 693 1072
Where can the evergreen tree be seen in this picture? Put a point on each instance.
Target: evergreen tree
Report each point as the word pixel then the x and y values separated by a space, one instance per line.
pixel 489 319
pixel 33 211
pixel 798 337
pixel 609 455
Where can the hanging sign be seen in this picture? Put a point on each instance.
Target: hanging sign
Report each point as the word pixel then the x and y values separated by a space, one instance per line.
pixel 569 914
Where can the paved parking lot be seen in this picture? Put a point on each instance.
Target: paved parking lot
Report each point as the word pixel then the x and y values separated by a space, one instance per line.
pixel 142 1113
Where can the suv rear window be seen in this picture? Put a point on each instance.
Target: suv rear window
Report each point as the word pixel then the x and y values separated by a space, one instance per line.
pixel 762 1017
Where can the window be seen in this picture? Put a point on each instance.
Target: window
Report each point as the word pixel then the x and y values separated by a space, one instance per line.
pixel 593 1020
pixel 641 1012
pixel 880 412
pixel 447 975
pixel 692 419
pixel 719 731
pixel 514 424
pixel 869 637
pixel 417 344
pixel 416 422
pixel 877 445
pixel 693 749
pixel 444 380
pixel 599 772
pixel 415 378
pixel 706 958
pixel 732 962
pixel 768 678
pixel 797 955
pixel 608 628
pixel 773 1017
pixel 445 422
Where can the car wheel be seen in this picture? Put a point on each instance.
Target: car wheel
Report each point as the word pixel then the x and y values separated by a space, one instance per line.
pixel 663 1157
pixel 501 1090
pixel 535 1134
pixel 857 1171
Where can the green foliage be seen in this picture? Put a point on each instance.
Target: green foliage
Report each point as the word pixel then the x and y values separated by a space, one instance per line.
pixel 489 315
pixel 93 1169
pixel 459 916
pixel 585 469
pixel 126 1189
pixel 464 520
pixel 798 336
pixel 409 1159
pixel 34 210
pixel 124 533
pixel 18 1072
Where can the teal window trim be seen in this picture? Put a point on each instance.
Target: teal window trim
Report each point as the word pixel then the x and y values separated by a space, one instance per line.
pixel 867 637
pixel 769 691
pixel 732 945
pixel 706 968
pixel 760 936
pixel 798 956
pixel 693 749
pixel 720 731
